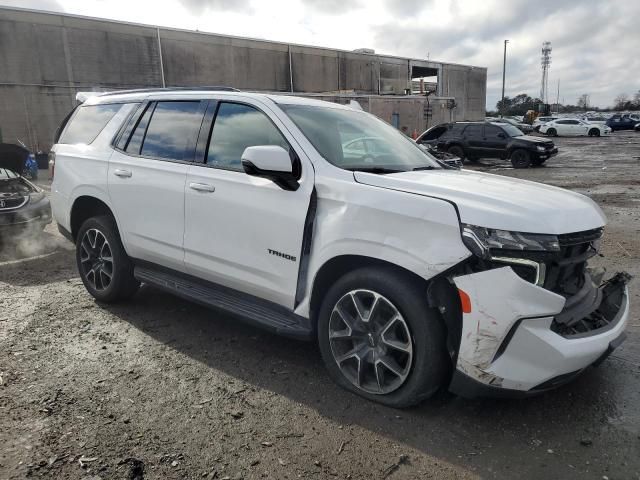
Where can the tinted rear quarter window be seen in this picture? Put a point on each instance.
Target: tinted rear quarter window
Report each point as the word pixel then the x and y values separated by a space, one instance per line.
pixel 87 123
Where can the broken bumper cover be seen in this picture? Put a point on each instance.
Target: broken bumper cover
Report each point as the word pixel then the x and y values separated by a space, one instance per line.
pixel 509 346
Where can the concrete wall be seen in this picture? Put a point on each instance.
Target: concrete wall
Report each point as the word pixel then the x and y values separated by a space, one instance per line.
pixel 46 58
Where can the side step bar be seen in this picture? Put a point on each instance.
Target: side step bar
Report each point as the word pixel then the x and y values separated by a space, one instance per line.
pixel 256 311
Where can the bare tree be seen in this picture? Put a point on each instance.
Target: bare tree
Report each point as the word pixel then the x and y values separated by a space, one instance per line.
pixel 621 101
pixel 583 101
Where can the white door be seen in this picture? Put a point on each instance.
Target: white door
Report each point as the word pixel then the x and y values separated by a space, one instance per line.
pixel 575 127
pixel 146 181
pixel 581 128
pixel 245 232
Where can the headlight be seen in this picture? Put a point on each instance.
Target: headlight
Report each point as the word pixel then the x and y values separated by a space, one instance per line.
pixel 540 148
pixel 481 241
pixel 35 197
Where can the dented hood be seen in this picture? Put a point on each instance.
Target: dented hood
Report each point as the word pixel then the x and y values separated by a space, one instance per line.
pixel 498 202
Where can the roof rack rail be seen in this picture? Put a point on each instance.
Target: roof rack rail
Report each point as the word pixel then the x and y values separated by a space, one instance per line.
pixel 219 88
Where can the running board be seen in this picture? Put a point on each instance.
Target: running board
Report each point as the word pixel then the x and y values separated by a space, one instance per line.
pixel 256 311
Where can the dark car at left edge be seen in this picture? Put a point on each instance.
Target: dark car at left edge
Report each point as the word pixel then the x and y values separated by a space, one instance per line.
pixel 24 206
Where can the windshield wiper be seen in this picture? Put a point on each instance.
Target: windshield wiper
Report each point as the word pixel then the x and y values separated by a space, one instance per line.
pixel 380 170
pixel 426 167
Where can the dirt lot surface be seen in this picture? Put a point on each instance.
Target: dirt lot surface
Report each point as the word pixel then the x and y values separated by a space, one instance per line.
pixel 162 389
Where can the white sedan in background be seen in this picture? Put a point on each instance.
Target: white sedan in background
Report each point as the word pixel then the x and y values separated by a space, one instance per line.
pixel 569 127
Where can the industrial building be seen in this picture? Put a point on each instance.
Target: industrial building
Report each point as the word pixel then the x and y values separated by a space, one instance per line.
pixel 45 58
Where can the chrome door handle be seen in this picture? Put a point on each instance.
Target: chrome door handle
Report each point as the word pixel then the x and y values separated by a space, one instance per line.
pixel 202 187
pixel 118 172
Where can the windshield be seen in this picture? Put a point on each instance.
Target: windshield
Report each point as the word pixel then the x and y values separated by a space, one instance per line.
pixel 358 141
pixel 512 131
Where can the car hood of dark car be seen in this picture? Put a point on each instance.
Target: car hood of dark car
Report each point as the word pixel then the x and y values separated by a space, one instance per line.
pixel 13 157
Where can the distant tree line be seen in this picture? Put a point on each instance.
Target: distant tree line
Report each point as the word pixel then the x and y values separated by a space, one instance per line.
pixel 624 102
pixel 521 104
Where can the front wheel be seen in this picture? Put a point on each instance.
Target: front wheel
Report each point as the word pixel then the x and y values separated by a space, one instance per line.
pixel 380 339
pixel 594 132
pixel 520 159
pixel 103 264
pixel 552 132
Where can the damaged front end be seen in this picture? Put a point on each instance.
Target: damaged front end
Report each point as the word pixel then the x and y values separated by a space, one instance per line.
pixel 23 206
pixel 536 314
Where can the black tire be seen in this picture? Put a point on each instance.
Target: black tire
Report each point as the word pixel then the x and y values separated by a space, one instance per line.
pixel 552 132
pixel 122 284
pixel 594 132
pixel 429 364
pixel 520 158
pixel 457 151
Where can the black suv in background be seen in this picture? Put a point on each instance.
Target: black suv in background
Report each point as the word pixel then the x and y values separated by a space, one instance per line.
pixel 474 140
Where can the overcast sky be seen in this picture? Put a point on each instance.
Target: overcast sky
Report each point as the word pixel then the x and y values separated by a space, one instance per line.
pixel 595 42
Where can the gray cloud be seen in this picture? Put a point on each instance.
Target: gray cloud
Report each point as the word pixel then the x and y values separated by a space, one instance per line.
pixel 46 5
pixel 594 45
pixel 201 6
pixel 333 7
pixel 407 8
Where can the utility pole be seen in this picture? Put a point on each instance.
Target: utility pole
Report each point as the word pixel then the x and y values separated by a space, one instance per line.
pixel 504 67
pixel 558 98
pixel 545 62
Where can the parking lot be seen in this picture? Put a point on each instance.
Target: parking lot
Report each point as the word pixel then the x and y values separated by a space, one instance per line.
pixel 160 388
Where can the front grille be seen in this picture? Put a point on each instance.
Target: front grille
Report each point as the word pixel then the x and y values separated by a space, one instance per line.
pixel 9 203
pixel 565 271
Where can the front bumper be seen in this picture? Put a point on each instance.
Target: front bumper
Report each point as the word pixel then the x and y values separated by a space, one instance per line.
pixel 32 215
pixel 508 346
pixel 547 153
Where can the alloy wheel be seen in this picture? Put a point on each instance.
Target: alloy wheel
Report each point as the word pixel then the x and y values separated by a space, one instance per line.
pixel 371 342
pixel 96 259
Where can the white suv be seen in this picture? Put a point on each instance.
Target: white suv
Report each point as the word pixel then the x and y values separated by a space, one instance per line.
pixel 411 275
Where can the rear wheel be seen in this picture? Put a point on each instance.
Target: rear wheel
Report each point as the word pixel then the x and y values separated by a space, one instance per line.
pixel 103 264
pixel 457 151
pixel 520 159
pixel 380 339
pixel 594 132
pixel 552 132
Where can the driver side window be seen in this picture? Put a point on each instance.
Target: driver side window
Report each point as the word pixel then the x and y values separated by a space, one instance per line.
pixel 236 127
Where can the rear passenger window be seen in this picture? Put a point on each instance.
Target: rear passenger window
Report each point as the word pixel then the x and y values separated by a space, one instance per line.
pixel 237 127
pixel 473 131
pixel 87 123
pixel 172 130
pixel 492 132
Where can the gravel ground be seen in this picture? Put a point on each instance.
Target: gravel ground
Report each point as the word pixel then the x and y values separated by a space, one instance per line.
pixel 162 389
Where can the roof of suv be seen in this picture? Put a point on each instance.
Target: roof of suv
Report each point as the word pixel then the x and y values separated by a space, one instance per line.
pixel 219 92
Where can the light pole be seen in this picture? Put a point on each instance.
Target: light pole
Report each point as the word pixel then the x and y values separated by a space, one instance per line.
pixel 504 68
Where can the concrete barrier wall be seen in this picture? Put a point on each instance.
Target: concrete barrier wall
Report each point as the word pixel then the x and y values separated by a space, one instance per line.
pixel 46 58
